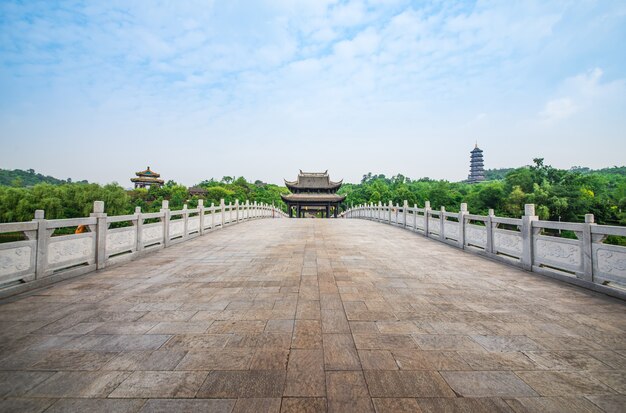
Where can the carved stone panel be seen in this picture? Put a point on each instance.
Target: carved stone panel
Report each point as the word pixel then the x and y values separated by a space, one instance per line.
pixel 434 225
pixel 508 242
pixel 611 263
pixel 71 250
pixel 419 221
pixel 176 228
pixel 565 254
pixel 451 229
pixel 152 233
pixel 193 224
pixel 476 235
pixel 124 240
pixel 15 260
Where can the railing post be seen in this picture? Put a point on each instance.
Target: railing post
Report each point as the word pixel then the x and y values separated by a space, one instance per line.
pixel 254 210
pixel 389 213
pixel 165 210
pixel 185 221
pixel 489 248
pixel 587 241
pixel 212 216
pixel 405 206
pixel 427 218
pixel 139 229
pixel 223 209
pixel 527 236
pixel 101 233
pixel 442 223
pixel 379 212
pixel 42 244
pixel 201 215
pixel 461 226
pixel 237 210
pixel 247 209
pixel 415 217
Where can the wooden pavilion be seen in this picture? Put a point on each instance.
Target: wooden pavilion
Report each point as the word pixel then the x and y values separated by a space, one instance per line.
pixel 147 179
pixel 313 192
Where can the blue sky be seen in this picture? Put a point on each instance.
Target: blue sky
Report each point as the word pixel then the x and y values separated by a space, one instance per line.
pixel 198 89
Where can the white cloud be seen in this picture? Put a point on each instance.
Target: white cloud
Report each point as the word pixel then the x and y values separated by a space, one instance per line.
pixel 558 109
pixel 584 93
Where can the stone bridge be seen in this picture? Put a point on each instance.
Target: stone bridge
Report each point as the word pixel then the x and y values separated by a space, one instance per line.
pixel 310 316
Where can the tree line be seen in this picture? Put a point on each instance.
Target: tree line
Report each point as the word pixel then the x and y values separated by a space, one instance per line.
pixel 71 200
pixel 565 195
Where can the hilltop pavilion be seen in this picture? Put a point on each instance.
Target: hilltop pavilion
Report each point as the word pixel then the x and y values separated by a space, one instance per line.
pixel 147 179
pixel 313 192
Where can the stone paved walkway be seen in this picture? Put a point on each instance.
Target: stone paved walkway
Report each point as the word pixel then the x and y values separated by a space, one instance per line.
pixel 308 316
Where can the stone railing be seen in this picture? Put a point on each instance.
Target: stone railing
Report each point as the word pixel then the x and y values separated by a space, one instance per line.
pixel 43 257
pixel 529 243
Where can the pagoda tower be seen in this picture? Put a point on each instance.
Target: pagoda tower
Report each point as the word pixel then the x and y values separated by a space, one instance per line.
pixel 477 170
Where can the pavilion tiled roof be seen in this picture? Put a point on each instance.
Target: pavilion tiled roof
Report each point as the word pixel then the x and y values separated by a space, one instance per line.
pixel 148 173
pixel 312 180
pixel 313 197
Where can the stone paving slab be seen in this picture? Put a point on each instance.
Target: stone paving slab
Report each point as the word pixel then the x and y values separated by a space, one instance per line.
pixel 312 316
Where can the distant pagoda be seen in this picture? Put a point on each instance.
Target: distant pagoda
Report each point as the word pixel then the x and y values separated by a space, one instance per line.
pixel 477 170
pixel 313 192
pixel 147 179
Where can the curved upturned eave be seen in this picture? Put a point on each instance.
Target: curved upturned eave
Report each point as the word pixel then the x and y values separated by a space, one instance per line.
pixel 147 179
pixel 295 186
pixel 303 197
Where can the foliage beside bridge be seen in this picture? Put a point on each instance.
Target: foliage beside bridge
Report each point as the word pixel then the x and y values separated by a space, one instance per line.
pixel 72 200
pixel 568 194
pixel 565 195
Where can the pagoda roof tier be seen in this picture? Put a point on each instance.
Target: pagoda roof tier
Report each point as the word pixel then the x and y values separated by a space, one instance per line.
pixel 147 179
pixel 312 197
pixel 476 149
pixel 148 173
pixel 312 180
